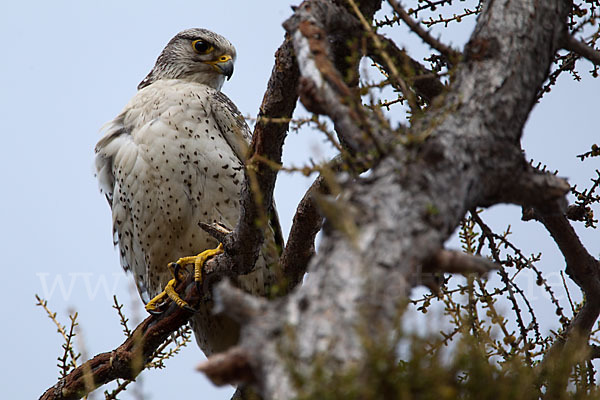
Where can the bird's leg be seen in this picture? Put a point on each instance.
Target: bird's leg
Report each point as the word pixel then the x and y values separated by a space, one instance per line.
pixel 175 269
pixel 201 258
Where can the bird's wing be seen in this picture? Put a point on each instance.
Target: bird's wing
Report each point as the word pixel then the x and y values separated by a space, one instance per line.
pixel 117 141
pixel 231 123
pixel 115 132
pixel 237 133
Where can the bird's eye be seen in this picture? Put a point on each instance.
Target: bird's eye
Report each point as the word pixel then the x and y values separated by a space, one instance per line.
pixel 201 47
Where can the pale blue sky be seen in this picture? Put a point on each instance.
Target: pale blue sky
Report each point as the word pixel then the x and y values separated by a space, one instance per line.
pixel 71 66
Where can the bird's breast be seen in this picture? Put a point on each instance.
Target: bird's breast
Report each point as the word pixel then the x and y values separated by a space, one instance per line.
pixel 183 172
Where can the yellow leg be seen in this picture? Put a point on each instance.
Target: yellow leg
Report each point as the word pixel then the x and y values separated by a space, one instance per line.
pixel 201 258
pixel 169 292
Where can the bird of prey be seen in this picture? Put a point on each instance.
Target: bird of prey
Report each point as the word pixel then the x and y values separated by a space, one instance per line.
pixel 172 158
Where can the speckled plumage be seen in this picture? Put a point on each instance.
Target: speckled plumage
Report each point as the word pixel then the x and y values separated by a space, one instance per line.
pixel 172 158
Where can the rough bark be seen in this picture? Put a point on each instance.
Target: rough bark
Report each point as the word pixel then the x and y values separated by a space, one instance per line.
pixel 307 222
pixel 467 155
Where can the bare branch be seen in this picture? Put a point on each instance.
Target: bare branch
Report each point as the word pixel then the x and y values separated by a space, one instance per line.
pixel 215 230
pixel 458 262
pixel 424 81
pixel 129 359
pixel 451 55
pixel 581 48
pixel 582 267
pixel 232 366
pixel 300 246
pixel 408 94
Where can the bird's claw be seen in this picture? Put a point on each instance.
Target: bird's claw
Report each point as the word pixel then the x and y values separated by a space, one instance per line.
pixel 175 268
pixel 154 311
pixel 190 309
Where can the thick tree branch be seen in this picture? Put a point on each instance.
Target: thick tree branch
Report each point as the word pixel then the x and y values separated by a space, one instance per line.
pixel 243 245
pixel 398 216
pixel 529 186
pixel 300 246
pixel 322 87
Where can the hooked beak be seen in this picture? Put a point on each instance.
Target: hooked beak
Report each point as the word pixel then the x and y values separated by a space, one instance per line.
pixel 223 65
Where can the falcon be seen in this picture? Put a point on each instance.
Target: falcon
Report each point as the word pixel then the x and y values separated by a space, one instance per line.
pixel 172 158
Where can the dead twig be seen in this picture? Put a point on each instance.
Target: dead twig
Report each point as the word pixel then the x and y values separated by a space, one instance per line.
pixel 581 48
pixel 129 359
pixel 451 55
pixel 423 81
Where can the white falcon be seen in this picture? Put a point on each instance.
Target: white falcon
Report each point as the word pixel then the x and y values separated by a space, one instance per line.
pixel 175 157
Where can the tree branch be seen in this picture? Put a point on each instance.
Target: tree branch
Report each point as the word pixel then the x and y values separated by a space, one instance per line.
pixel 322 88
pixel 243 244
pixel 300 246
pixel 532 187
pixel 398 216
pixel 582 268
pixel 458 262
pixel 581 48
pixel 129 359
pixel 393 71
pixel 451 55
pixel 231 366
pixel 424 81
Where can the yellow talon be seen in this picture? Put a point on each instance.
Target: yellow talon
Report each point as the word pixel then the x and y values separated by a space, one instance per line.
pixel 152 306
pixel 169 292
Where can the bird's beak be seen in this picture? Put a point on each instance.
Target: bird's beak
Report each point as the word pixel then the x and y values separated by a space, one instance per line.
pixel 223 65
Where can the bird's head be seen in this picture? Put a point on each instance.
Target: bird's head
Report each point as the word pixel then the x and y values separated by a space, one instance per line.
pixel 197 55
